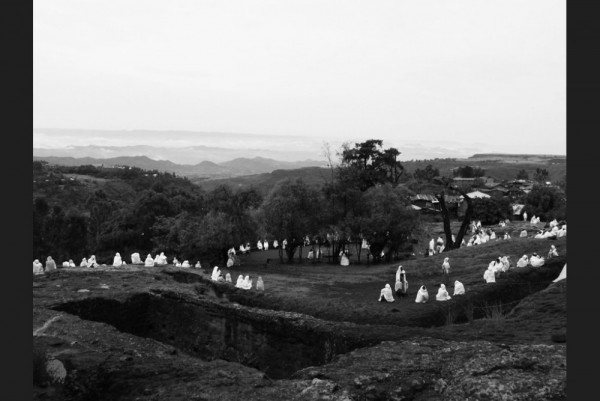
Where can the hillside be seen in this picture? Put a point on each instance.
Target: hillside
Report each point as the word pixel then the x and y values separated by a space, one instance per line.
pixel 204 169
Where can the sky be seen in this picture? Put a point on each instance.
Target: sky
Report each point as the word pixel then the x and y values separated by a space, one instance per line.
pixel 487 74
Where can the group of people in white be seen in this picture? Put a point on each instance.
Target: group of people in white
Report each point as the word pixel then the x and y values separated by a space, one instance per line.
pixel 495 268
pixel 244 283
pixel 158 260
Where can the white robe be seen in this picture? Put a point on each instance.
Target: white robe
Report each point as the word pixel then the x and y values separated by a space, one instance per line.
pixel 83 263
pixel 215 274
pixel 284 243
pixel 38 268
pixel 92 262
pixel 523 262
pixel 552 252
pixel 422 295
pixel 186 264
pixel 344 261
pixel 562 275
pixel 493 236
pixel 489 276
pixel 240 281
pixel 260 285
pixel 310 255
pixel 446 266
pixel 230 262
pixel 275 245
pixel 459 288
pixel 72 264
pixel 198 265
pixel 162 260
pixel 386 293
pixel 149 262
pixel 432 244
pixel 247 283
pixel 50 264
pixel 266 246
pixel 135 259
pixel 524 216
pixel 117 261
pixel 228 278
pixel 505 264
pixel 65 264
pixel 259 245
pixel 536 261
pixel 442 294
pixel 523 234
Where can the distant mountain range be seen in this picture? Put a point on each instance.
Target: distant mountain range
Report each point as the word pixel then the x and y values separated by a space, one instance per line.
pixel 206 169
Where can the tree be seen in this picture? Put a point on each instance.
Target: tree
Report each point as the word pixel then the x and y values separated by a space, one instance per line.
pixel 390 222
pixel 368 163
pixel 468 172
pixel 522 175
pixel 291 211
pixel 450 244
pixel 491 210
pixel 541 175
pixel 546 202
pixel 427 173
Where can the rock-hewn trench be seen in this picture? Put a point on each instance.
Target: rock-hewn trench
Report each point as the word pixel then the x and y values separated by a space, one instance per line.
pixel 275 345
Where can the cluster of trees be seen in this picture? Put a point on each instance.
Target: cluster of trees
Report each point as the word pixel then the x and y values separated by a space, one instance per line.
pixel 133 210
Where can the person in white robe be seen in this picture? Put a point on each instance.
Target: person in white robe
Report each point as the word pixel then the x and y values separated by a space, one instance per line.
pixel 178 264
pixel 401 286
pixel 446 266
pixel 523 234
pixel 459 288
pixel 259 245
pixel 186 264
pixel 561 232
pixel 175 261
pixel 536 261
pixel 552 252
pixel 135 259
pixel 117 261
pixel 344 261
pixel 162 260
pixel 505 263
pixel 562 275
pixel 539 234
pixel 533 221
pixel 284 243
pixel 432 246
pixel 228 277
pixel 549 235
pixel 506 235
pixel 442 294
pixel 198 265
pixel 65 264
pixel 524 216
pixel 553 223
pixel 275 245
pixel 71 263
pixel 83 263
pixel 215 274
pixel 477 240
pixel 422 295
pixel 386 294
pixel 310 255
pixel 492 235
pixel 502 224
pixel 247 283
pixel 149 262
pixel 478 223
pixel 240 281
pixel 242 249
pixel 260 285
pixel 38 268
pixel 230 262
pixel 462 243
pixel 523 261
pixel 489 275
pixel 50 264
pixel 266 245
pixel 91 262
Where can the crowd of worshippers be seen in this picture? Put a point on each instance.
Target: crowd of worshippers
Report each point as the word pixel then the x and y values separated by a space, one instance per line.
pixel 495 269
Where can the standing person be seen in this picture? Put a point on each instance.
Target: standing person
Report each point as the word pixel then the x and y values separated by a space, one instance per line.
pixel 446 270
pixel 401 286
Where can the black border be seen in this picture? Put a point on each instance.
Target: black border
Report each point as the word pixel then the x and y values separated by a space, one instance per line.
pixel 583 107
pixel 17 303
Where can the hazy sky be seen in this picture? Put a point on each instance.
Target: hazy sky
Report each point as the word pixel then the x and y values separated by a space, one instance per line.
pixel 491 72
